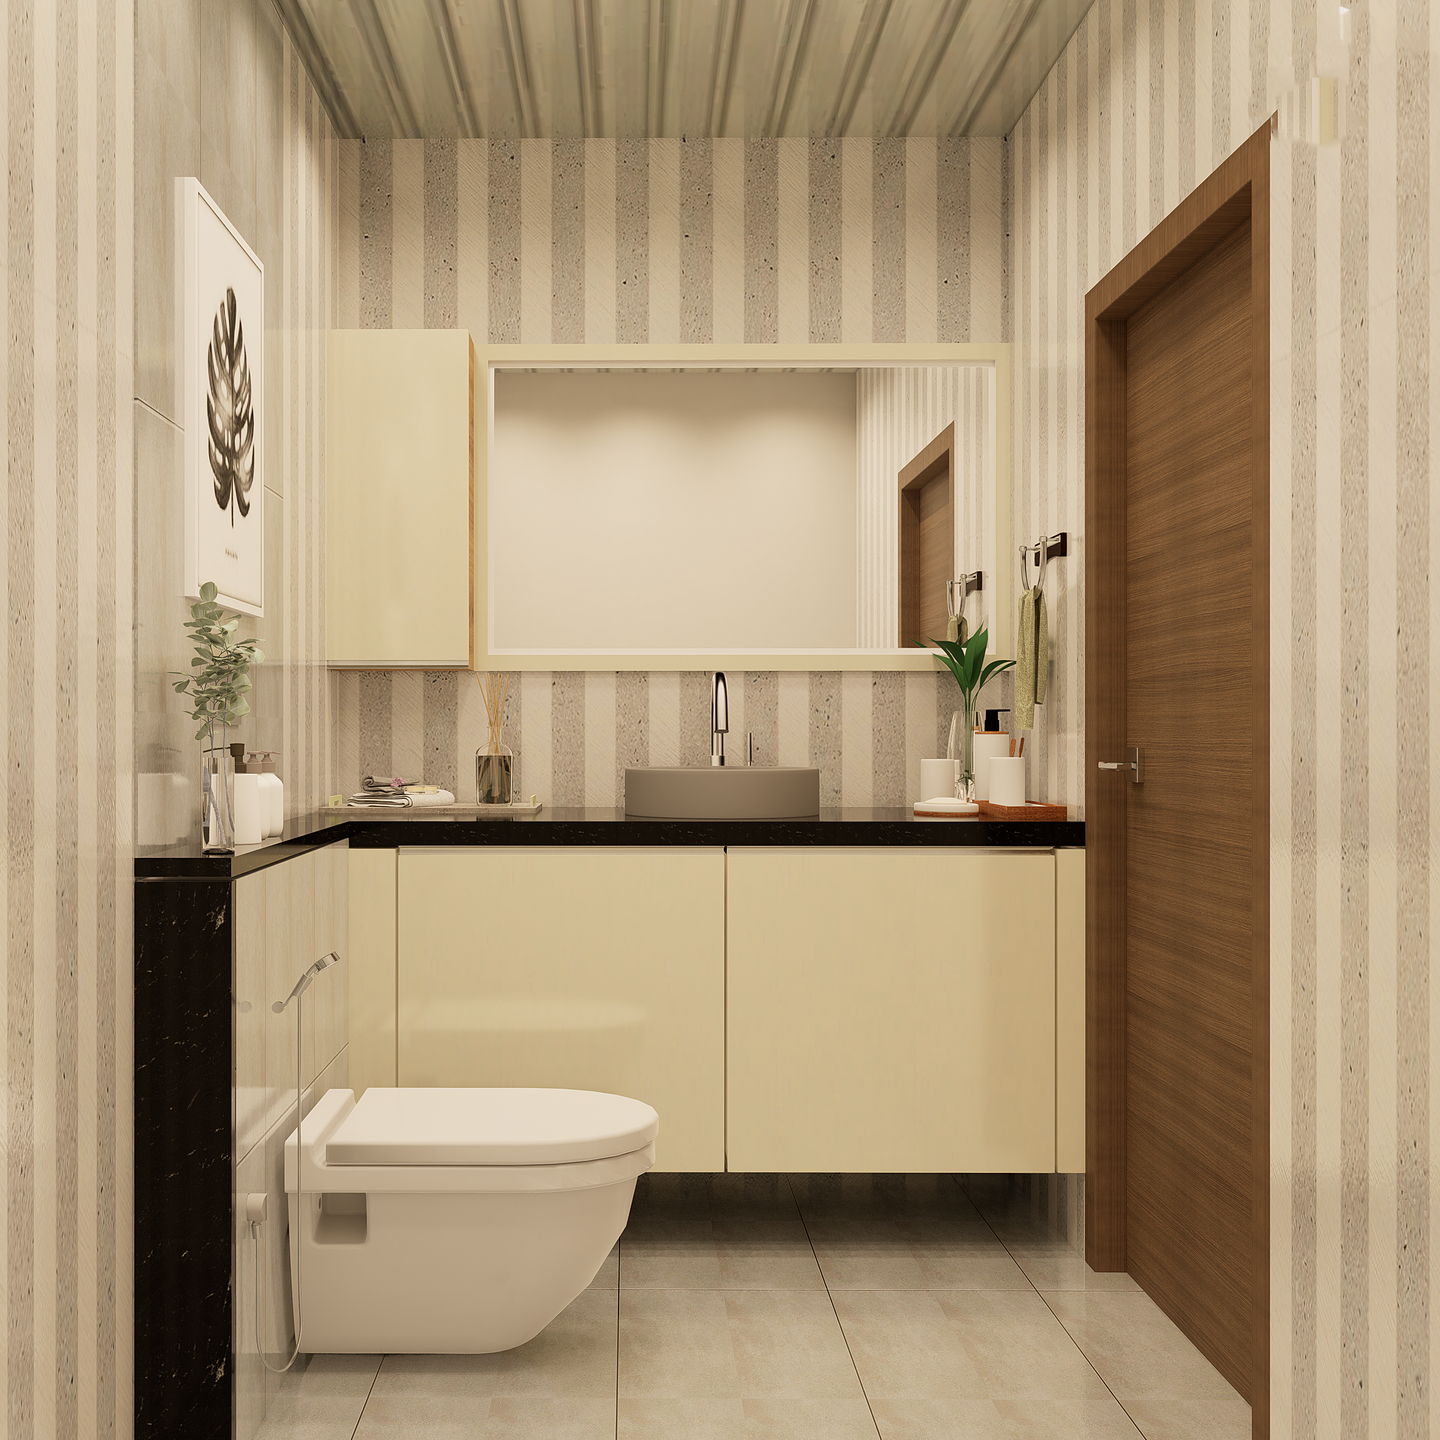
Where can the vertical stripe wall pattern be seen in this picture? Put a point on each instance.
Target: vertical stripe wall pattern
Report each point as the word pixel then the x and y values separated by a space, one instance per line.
pixel 574 732
pixel 1148 97
pixel 65 672
pixel 621 241
pixel 222 95
pixel 662 241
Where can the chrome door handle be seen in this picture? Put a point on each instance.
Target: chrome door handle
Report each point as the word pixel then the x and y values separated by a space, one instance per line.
pixel 1133 762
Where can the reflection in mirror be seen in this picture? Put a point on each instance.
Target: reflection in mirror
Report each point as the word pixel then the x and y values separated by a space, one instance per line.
pixel 714 511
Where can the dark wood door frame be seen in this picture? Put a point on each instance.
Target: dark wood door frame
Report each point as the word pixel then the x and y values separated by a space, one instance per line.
pixel 1237 191
pixel 922 587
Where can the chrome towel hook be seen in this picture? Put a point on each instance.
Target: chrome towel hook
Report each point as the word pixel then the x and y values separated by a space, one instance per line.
pixel 1045 549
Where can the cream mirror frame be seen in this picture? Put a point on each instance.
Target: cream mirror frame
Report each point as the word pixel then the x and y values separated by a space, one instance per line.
pixel 490 358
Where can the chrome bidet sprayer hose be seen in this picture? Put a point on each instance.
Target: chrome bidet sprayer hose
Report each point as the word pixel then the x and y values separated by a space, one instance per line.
pixel 297 995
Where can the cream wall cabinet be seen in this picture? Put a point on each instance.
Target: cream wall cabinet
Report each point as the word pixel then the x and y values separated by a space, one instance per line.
pixel 587 969
pixel 399 499
pixel 890 1010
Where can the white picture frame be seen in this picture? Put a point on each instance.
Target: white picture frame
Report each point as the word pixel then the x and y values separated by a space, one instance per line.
pixel 221 320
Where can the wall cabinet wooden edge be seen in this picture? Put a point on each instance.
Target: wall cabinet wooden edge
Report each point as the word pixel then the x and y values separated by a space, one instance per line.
pixel 400 500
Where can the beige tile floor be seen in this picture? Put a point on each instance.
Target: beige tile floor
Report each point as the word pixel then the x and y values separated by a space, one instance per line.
pixel 807 1307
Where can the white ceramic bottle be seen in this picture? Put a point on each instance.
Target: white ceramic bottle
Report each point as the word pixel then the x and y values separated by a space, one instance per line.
pixel 267 819
pixel 273 791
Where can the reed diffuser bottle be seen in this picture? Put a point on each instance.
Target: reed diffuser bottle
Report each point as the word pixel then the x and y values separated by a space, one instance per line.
pixel 494 761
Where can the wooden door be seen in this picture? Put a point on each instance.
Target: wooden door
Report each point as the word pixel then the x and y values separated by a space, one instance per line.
pixel 1177 664
pixel 1188 703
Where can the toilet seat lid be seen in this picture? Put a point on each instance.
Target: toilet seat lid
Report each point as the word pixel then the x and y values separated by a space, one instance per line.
pixel 425 1126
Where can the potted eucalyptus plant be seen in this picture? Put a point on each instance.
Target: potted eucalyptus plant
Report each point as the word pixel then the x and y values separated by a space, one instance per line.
pixel 966 662
pixel 216 687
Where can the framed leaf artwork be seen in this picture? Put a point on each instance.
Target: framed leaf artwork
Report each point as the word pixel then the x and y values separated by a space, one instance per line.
pixel 221 377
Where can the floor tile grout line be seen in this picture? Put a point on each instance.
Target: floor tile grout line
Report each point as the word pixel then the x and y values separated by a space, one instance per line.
pixel 839 1323
pixel 1091 1364
pixel 995 1235
pixel 1068 1335
pixel 360 1418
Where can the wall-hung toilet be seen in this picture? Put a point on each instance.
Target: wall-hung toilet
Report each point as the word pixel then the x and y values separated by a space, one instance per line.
pixel 456 1221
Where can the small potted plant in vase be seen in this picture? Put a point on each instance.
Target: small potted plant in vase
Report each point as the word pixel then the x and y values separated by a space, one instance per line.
pixel 216 688
pixel 966 662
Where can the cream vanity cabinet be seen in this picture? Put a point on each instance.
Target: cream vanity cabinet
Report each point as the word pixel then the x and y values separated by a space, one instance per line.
pixel 399 499
pixel 578 967
pixel 890 1010
pixel 286 917
pixel 809 1009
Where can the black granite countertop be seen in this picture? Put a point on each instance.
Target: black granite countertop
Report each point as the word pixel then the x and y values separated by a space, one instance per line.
pixel 387 829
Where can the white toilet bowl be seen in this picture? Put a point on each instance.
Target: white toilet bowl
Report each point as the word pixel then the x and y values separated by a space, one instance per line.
pixel 456 1221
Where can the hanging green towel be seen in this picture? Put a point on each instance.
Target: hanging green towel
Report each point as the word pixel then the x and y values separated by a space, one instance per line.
pixel 1032 658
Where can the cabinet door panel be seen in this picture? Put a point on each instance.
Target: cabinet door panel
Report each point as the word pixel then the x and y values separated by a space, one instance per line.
pixel 399 506
pixel 370 925
pixel 586 969
pixel 890 1010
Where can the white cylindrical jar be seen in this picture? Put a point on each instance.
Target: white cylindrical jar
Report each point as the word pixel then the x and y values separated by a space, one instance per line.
pixel 1007 780
pixel 989 745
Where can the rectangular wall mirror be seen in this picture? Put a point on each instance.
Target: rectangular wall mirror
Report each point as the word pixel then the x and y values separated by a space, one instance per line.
pixel 697 507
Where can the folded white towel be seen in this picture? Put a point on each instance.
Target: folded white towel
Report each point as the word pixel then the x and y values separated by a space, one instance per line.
pixel 415 796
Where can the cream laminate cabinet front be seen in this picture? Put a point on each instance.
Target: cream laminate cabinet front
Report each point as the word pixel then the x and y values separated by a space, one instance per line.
pixel 574 967
pixel 890 1010
pixel 400 499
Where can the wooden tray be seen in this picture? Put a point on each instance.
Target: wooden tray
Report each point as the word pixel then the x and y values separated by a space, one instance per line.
pixel 519 807
pixel 1030 811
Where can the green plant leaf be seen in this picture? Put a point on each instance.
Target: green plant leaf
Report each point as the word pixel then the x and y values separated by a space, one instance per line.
pixel 994 668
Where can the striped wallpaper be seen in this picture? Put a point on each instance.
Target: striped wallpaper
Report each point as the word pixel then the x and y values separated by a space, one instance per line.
pixel 1148 97
pixel 65 673
pixel 665 241
pixel 605 241
pixel 221 94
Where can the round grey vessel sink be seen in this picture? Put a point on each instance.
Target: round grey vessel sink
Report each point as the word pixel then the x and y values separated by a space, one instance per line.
pixel 722 792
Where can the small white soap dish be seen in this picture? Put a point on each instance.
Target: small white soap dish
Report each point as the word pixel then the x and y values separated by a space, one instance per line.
pixel 944 806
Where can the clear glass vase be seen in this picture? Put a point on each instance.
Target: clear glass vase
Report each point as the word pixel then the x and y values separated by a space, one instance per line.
pixel 961 749
pixel 494 773
pixel 217 815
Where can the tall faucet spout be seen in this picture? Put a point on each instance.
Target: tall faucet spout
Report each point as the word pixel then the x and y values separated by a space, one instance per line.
pixel 719 718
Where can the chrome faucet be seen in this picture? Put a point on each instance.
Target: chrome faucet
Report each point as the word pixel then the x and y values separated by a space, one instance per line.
pixel 719 718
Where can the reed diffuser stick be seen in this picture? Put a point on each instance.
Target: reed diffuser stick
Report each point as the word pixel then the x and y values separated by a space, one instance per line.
pixel 495 691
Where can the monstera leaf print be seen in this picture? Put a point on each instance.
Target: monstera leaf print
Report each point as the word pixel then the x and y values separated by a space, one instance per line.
pixel 232 419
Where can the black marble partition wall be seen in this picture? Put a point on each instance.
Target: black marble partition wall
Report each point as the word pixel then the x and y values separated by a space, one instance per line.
pixel 183 1191
pixel 218 939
